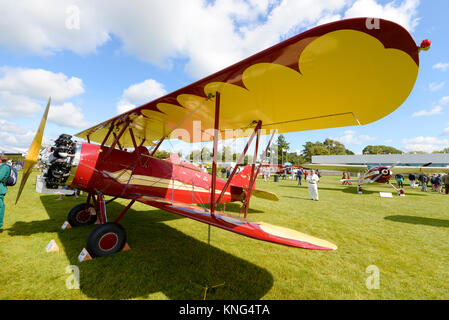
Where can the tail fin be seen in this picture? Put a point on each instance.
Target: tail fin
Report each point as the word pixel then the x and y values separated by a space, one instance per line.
pixel 242 178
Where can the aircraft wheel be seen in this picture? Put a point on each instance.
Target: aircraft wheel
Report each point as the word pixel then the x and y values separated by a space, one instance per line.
pixel 79 216
pixel 106 239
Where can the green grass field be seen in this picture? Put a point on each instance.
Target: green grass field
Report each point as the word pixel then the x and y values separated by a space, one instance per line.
pixel 406 238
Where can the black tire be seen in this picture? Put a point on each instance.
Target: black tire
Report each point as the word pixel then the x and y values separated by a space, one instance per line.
pixel 79 216
pixel 106 239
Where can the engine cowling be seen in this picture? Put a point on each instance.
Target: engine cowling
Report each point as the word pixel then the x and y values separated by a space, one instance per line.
pixel 59 161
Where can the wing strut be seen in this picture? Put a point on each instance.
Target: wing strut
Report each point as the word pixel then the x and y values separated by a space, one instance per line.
pixel 242 156
pixel 253 177
pixel 251 184
pixel 215 149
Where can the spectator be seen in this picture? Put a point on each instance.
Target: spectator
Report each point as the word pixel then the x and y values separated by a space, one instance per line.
pixel 400 180
pixel 446 183
pixel 306 173
pixel 5 171
pixel 223 172
pixel 438 183
pixel 299 176
pixel 424 181
pixel 412 179
pixel 432 182
pixel 313 179
pixel 420 179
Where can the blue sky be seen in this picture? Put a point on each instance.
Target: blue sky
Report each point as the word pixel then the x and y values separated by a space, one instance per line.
pixel 96 58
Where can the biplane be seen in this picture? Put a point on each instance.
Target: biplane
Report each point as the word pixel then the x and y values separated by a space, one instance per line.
pixel 377 174
pixel 343 73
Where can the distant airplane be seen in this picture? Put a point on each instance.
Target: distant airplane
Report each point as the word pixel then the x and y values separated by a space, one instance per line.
pixel 378 174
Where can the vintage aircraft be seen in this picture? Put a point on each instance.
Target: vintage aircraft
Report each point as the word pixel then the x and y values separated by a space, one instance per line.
pixel 378 174
pixel 339 74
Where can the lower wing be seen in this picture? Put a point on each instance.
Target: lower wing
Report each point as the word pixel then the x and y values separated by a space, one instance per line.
pixel 257 230
pixel 337 167
pixel 407 169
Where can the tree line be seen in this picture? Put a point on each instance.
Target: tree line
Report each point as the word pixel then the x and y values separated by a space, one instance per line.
pixel 281 149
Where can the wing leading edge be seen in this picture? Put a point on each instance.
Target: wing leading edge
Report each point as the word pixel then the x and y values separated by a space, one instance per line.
pixel 257 230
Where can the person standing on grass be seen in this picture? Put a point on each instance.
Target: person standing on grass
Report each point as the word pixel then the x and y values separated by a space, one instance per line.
pixel 424 180
pixel 299 176
pixel 5 171
pixel 438 183
pixel 412 179
pixel 446 183
pixel 400 180
pixel 313 179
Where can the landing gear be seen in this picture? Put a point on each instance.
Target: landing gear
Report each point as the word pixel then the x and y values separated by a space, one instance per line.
pixel 80 216
pixel 106 239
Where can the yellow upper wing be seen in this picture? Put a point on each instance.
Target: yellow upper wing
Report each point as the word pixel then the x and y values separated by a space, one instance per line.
pixel 339 74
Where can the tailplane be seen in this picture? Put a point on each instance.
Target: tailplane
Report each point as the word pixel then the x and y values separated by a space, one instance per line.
pixel 241 179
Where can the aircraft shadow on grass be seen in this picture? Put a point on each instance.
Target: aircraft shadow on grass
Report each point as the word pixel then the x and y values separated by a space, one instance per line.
pixel 419 220
pixel 161 259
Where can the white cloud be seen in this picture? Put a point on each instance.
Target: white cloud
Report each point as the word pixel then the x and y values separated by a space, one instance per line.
pixel 426 144
pixel 445 131
pixel 434 111
pixel 208 35
pixel 350 138
pixel 39 84
pixel 13 106
pixel 140 93
pixel 403 13
pixel 444 101
pixel 435 86
pixel 43 27
pixel 24 91
pixel 13 137
pixel 441 66
pixel 67 115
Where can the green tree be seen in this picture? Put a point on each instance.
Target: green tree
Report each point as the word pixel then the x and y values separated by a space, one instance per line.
pixel 381 149
pixel 162 154
pixel 336 148
pixel 283 146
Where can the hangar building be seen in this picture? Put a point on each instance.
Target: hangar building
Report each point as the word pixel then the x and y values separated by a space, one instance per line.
pixel 436 159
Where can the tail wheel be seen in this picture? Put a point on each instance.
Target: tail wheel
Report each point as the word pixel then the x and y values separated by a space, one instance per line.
pixel 106 239
pixel 80 216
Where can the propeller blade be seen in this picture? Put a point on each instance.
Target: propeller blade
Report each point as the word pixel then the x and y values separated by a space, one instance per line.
pixel 376 178
pixel 33 151
pixel 394 165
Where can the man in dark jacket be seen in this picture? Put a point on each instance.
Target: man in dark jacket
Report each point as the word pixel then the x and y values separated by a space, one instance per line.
pixel 438 183
pixel 424 182
pixel 5 171
pixel 412 179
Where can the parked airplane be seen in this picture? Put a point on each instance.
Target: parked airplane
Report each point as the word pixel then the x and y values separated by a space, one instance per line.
pixel 339 74
pixel 378 174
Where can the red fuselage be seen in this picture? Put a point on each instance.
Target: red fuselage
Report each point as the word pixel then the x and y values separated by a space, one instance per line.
pixel 127 174
pixel 375 171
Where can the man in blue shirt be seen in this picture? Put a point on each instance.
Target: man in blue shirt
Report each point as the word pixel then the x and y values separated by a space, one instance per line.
pixel 5 171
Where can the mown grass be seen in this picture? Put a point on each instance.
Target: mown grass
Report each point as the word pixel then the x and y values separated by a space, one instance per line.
pixel 405 237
